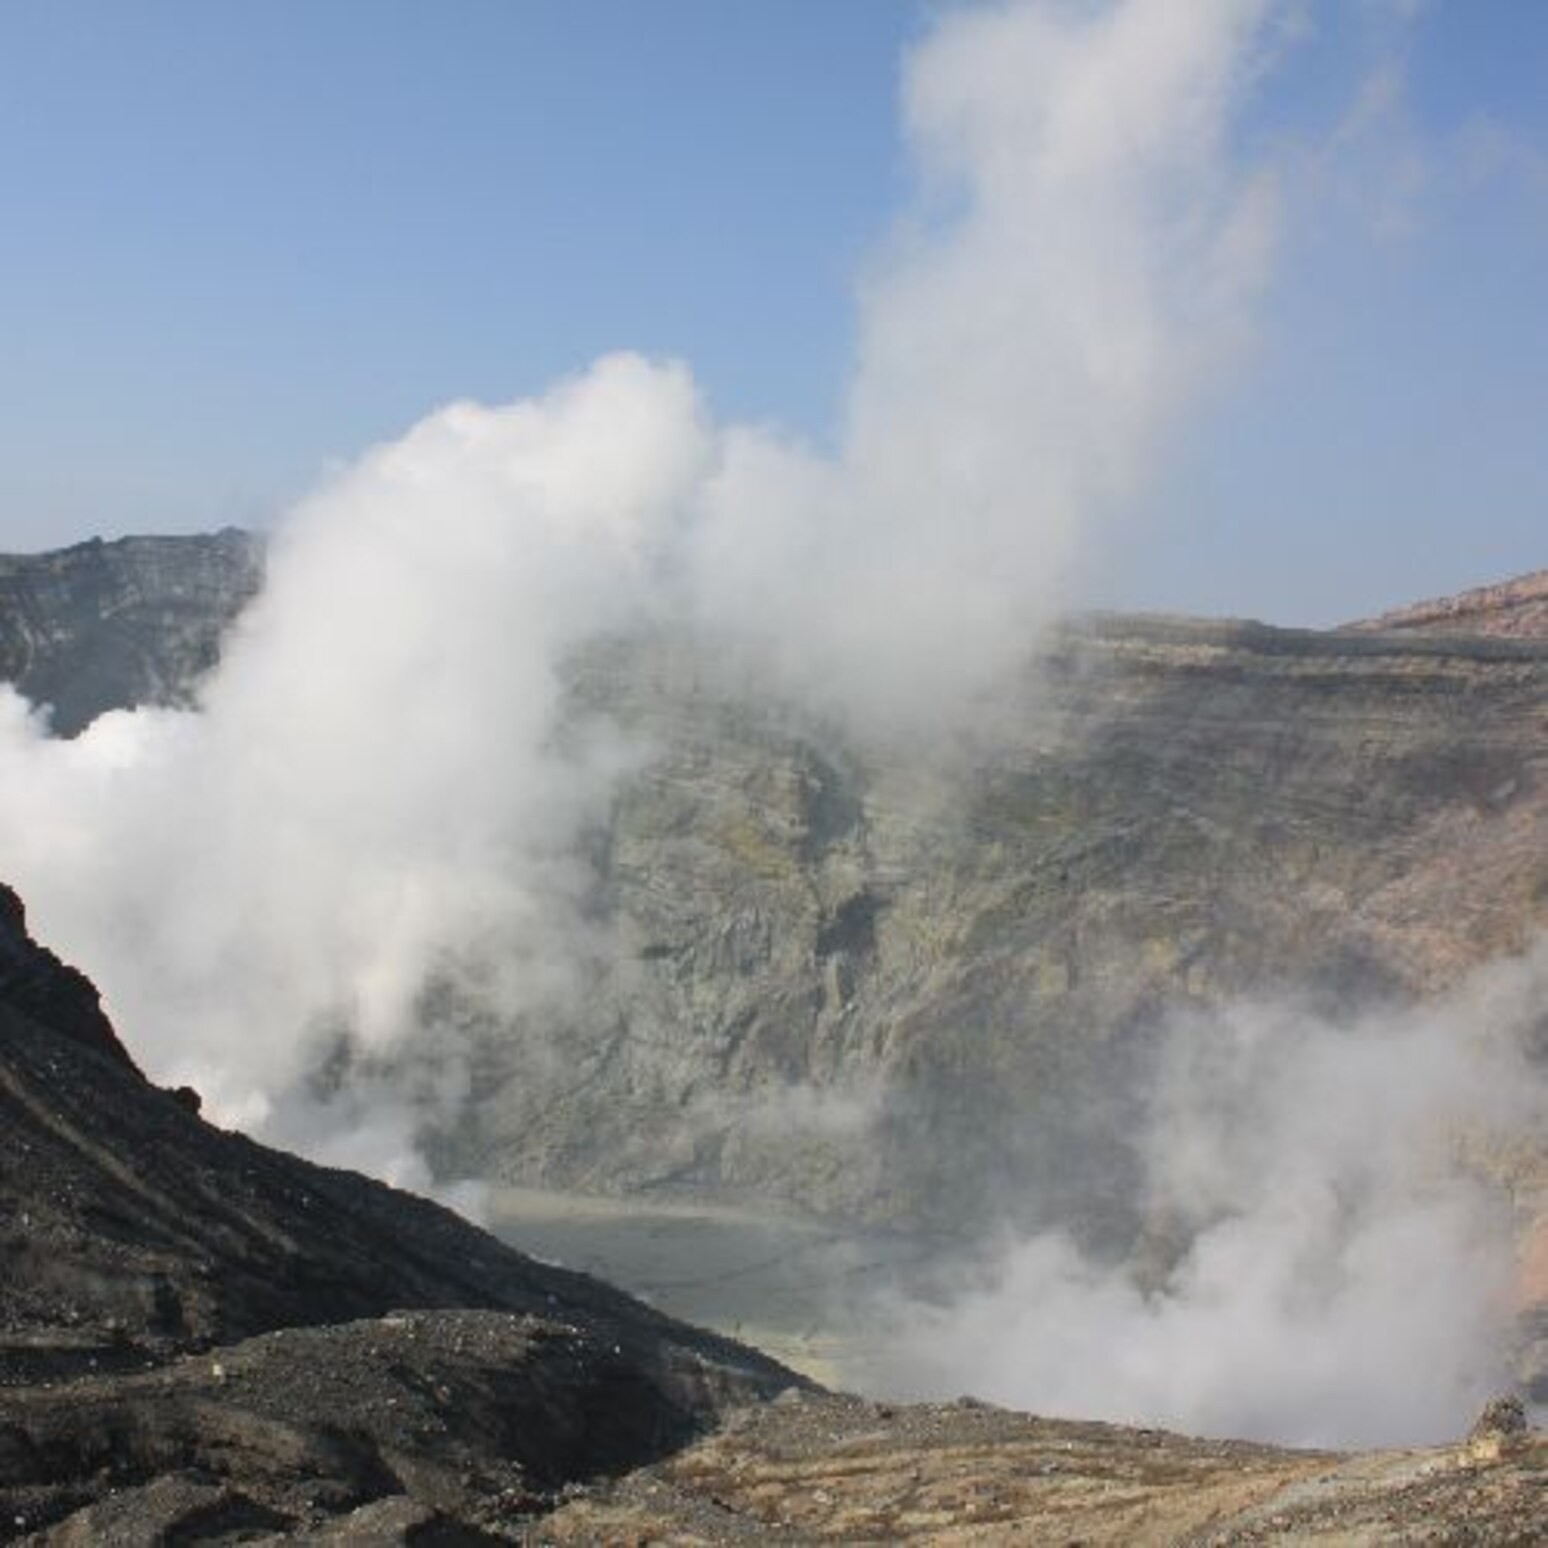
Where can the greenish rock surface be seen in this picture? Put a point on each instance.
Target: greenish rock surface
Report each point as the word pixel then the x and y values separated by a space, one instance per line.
pixel 918 982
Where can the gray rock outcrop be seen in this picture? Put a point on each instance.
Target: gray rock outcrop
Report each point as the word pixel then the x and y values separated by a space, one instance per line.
pixel 108 625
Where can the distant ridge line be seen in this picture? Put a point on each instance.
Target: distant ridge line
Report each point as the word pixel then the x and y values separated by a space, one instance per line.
pixel 1516 608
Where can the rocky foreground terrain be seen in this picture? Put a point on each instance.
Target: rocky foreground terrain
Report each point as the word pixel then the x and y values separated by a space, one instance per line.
pixel 201 1338
pixel 812 1467
pixel 204 1341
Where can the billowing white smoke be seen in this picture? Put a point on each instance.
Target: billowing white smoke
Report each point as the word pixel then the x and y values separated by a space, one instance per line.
pixel 1324 1272
pixel 376 794
pixel 1079 262
pixel 371 796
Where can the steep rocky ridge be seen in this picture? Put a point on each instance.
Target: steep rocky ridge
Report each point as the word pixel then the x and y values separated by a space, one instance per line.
pixel 107 625
pixel 194 1326
pixel 36 984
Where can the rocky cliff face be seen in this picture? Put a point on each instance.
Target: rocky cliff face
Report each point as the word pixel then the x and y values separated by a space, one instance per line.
pixel 106 625
pixel 920 985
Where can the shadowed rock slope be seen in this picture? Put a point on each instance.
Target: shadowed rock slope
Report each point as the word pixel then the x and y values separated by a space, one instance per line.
pixel 194 1328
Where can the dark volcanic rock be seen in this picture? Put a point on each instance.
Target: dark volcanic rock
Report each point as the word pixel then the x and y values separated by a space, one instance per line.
pixel 478 1416
pixel 35 982
pixel 110 625
pixel 387 1347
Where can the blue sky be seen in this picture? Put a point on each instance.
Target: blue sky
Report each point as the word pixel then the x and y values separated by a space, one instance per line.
pixel 243 240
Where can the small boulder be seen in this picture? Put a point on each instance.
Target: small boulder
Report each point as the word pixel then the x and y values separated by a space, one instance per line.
pixel 1497 1429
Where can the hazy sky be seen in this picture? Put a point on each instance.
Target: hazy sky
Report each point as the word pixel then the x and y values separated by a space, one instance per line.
pixel 244 240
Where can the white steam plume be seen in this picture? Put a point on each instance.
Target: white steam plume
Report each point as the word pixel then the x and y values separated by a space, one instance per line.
pixel 376 794
pixel 1326 1272
pixel 371 795
pixel 1080 262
